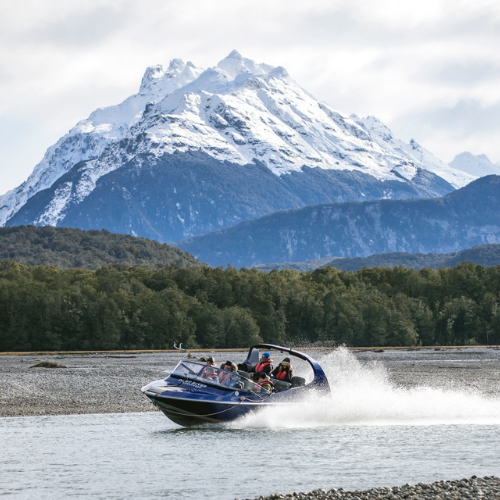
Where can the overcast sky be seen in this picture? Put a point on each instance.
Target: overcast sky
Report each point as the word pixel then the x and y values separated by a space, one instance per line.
pixel 429 69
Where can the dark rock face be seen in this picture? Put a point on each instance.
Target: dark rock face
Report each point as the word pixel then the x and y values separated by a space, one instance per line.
pixel 185 194
pixel 467 217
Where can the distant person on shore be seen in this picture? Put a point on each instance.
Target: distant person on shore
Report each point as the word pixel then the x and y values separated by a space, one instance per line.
pixel 263 366
pixel 283 371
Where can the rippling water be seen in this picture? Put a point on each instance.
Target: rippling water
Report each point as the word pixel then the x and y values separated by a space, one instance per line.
pixel 368 433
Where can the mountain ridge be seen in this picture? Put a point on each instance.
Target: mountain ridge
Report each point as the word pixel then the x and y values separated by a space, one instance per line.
pixel 484 255
pixel 464 218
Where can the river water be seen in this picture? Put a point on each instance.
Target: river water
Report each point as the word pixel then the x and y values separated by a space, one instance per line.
pixel 368 433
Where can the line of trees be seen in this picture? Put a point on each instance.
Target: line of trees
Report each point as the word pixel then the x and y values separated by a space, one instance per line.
pixel 114 307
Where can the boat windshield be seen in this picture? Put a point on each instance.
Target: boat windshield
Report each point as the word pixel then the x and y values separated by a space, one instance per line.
pixel 210 374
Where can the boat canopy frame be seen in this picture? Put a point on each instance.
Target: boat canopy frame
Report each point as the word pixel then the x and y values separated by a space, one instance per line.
pixel 319 375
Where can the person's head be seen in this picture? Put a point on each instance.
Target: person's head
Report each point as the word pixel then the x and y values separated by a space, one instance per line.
pixel 285 364
pixel 263 376
pixel 230 366
pixel 265 356
pixel 210 361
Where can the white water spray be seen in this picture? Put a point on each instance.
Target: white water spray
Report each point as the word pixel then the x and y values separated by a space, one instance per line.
pixel 363 395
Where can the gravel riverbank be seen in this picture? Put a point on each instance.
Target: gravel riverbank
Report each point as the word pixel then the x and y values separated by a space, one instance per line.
pixel 487 488
pixel 111 383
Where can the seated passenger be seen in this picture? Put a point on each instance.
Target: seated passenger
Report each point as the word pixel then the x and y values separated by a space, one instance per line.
pixel 283 371
pixel 265 381
pixel 210 374
pixel 263 366
pixel 210 361
pixel 230 367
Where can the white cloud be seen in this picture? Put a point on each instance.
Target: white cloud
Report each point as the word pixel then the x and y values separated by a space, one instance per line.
pixel 429 69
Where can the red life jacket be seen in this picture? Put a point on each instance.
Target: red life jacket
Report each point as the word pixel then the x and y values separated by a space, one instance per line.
pixel 261 365
pixel 264 382
pixel 281 374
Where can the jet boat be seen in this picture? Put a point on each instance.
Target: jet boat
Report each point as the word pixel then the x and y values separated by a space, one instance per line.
pixel 193 394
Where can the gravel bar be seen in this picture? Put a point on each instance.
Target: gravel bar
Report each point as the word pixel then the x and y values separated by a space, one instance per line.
pixel 111 382
pixel 89 383
pixel 476 487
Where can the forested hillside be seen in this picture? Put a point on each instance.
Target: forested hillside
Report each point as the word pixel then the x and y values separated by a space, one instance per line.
pixel 486 255
pixel 467 217
pixel 67 247
pixel 45 308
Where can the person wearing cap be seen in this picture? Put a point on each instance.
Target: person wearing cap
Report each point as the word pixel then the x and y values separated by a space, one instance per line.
pixel 230 368
pixel 265 381
pixel 283 371
pixel 210 361
pixel 263 366
pixel 209 371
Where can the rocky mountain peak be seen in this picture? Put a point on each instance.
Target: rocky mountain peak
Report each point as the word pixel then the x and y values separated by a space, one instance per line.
pixel 240 112
pixel 235 64
pixel 478 165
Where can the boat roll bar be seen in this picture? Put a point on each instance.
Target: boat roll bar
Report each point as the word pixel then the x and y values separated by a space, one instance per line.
pixel 319 375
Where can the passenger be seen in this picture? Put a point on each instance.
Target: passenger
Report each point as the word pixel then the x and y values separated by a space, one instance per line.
pixel 210 374
pixel 230 367
pixel 263 366
pixel 265 381
pixel 284 371
pixel 210 361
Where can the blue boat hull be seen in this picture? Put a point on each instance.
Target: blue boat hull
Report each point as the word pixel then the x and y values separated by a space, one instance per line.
pixel 188 409
pixel 188 397
pixel 188 413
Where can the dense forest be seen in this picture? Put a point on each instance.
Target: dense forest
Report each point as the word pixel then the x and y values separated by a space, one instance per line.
pixel 486 255
pixel 66 247
pixel 115 307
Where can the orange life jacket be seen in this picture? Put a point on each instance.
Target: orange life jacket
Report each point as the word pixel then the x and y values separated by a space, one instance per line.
pixel 261 365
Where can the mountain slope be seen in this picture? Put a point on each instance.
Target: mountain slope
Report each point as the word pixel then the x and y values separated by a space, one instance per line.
pixel 484 255
pixel 192 193
pixel 238 113
pixel 467 217
pixel 68 248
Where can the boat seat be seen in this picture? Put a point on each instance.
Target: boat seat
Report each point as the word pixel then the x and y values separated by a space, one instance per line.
pixel 246 383
pixel 281 385
pixel 298 381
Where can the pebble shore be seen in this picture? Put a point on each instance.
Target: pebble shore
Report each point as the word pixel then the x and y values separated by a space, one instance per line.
pixel 111 382
pixel 487 488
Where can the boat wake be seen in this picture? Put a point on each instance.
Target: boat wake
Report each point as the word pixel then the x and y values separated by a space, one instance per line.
pixel 363 395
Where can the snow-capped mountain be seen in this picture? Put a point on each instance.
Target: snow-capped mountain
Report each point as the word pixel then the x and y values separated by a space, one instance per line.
pixel 89 138
pixel 478 165
pixel 266 144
